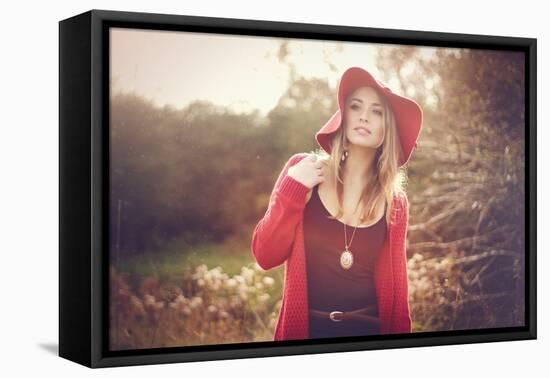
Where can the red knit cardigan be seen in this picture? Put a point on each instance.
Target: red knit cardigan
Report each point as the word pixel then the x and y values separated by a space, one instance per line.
pixel 278 238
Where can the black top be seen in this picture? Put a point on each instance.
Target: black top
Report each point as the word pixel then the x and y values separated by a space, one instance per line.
pixel 331 287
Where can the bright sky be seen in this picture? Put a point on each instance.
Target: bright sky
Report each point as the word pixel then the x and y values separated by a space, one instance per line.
pixel 241 72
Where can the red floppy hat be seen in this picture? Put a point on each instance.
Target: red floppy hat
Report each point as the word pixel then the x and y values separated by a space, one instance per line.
pixel 408 114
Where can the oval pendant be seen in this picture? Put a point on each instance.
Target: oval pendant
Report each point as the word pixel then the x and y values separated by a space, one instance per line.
pixel 346 259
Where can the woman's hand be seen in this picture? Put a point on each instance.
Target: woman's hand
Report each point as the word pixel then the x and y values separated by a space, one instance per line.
pixel 308 171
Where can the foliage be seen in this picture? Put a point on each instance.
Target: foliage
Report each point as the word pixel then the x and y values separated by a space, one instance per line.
pixel 202 173
pixel 207 307
pixel 467 194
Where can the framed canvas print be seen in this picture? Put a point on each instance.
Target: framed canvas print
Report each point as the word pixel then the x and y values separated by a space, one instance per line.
pixel 237 188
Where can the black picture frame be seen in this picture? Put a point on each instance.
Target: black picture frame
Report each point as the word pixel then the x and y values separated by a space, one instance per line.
pixel 84 178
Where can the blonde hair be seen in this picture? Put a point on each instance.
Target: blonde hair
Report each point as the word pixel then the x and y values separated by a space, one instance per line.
pixel 386 179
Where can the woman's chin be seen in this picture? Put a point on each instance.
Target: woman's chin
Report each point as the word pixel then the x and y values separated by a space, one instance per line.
pixel 362 144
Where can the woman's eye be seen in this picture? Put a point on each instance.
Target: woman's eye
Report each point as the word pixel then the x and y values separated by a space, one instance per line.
pixel 355 107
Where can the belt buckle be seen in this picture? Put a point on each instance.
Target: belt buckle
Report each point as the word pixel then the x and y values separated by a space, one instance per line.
pixel 331 316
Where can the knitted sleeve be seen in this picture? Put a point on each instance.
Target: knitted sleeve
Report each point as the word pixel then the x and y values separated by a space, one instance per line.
pixel 274 234
pixel 401 322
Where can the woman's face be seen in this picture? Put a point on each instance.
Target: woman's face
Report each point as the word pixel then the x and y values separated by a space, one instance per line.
pixel 364 118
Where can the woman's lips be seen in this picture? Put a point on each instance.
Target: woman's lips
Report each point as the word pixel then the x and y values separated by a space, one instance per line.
pixel 362 130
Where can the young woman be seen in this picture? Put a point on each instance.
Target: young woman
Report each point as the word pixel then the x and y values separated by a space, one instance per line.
pixel 338 219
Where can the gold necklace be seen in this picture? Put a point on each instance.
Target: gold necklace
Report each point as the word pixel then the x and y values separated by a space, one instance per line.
pixel 346 258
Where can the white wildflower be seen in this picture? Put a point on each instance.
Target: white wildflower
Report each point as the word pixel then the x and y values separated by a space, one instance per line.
pixel 264 297
pixel 268 281
pixel 231 283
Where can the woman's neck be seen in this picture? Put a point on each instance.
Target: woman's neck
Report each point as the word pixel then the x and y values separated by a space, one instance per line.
pixel 357 165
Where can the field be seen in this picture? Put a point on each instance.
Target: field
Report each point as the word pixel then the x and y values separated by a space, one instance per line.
pixel 202 296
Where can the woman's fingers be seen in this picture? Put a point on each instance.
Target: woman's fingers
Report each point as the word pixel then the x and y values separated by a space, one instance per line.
pixel 320 163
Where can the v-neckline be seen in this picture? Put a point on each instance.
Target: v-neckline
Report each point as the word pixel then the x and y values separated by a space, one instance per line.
pixel 339 221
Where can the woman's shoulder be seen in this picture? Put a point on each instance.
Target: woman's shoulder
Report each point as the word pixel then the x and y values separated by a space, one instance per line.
pixel 401 203
pixel 401 198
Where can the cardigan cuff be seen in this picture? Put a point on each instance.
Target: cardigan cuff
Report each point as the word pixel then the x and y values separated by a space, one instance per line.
pixel 293 190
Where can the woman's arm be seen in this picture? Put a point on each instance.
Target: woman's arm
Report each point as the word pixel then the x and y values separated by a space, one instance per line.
pixel 401 322
pixel 274 234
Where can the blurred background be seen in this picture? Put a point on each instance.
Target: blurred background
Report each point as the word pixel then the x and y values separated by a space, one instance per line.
pixel 198 138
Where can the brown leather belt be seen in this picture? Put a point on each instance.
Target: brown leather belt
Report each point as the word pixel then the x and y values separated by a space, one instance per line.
pixel 363 314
